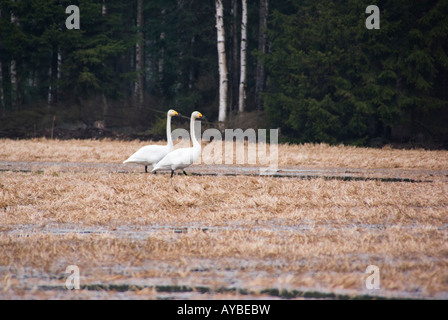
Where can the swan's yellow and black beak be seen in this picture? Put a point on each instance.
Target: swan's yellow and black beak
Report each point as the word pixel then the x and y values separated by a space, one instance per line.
pixel 176 113
pixel 200 115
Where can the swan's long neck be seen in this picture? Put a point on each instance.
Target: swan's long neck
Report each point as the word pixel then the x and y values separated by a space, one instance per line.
pixel 168 131
pixel 193 134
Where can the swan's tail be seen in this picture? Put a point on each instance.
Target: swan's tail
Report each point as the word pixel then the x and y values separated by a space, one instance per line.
pixel 131 161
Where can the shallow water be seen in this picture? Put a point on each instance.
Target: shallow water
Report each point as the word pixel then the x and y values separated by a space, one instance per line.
pixel 386 175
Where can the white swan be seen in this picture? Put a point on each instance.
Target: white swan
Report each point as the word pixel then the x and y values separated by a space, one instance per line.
pixel 183 157
pixel 150 155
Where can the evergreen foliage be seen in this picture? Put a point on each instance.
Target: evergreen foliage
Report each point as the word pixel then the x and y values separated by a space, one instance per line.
pixel 333 80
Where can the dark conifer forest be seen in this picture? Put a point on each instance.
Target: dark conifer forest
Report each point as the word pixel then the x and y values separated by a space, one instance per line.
pixel 314 69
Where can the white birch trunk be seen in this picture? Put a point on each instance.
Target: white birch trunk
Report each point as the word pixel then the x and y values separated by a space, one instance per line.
pixel 242 91
pixel 234 66
pixel 260 74
pixel 54 73
pixel 103 124
pixel 223 81
pixel 59 63
pixel 50 90
pixel 13 73
pixel 138 88
pixel 161 60
pixel 104 8
pixel 2 102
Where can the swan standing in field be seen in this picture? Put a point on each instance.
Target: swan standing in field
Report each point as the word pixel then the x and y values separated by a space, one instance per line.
pixel 183 157
pixel 150 155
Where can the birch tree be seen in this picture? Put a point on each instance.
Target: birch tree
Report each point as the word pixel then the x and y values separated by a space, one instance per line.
pixel 260 72
pixel 2 104
pixel 161 53
pixel 6 63
pixel 242 91
pixel 103 95
pixel 233 74
pixel 15 82
pixel 223 81
pixel 54 75
pixel 138 86
pixel 103 8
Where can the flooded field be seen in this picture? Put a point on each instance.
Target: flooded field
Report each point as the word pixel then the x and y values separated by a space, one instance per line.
pixel 223 232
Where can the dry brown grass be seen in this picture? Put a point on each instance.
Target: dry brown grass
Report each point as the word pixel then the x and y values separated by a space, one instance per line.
pixel 248 232
pixel 308 155
pixel 323 155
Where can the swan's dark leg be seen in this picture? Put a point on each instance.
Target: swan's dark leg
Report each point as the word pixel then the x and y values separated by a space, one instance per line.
pixel 184 172
pixel 172 172
pixel 146 169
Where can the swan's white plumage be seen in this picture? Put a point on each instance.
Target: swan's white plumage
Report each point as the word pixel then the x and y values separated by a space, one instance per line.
pixel 183 157
pixel 150 155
